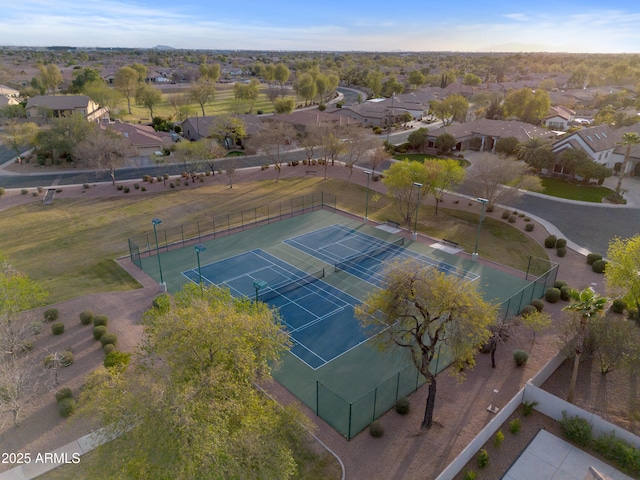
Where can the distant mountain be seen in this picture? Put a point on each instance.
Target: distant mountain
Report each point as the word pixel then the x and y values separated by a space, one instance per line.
pixel 519 47
pixel 162 47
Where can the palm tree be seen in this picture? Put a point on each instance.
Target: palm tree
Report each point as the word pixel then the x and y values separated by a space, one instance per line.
pixel 628 139
pixel 535 152
pixel 588 304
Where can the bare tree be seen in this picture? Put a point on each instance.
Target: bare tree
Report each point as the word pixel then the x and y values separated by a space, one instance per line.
pixel 105 149
pixel 377 157
pixel 356 146
pixel 275 141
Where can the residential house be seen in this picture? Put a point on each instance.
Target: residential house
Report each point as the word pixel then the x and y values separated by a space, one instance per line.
pixel 302 120
pixel 8 96
pixel 195 128
pixel 482 134
pixel 633 162
pixel 559 118
pixel 143 140
pixel 64 106
pixel 598 142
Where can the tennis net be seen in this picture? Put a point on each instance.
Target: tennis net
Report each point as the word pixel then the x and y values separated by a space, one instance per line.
pixel 299 282
pixel 359 258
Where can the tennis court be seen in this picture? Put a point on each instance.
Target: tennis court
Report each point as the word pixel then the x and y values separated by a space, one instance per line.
pixel 318 317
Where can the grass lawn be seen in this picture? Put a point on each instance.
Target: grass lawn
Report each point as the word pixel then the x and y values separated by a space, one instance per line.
pixel 557 187
pixel 69 247
pixel 422 157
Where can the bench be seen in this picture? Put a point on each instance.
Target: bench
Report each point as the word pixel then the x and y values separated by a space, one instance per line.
pixel 451 242
pixel 311 172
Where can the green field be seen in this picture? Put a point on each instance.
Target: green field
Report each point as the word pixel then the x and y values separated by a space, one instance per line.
pixel 556 187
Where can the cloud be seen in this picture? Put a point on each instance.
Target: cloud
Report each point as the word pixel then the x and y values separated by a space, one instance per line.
pixel 521 17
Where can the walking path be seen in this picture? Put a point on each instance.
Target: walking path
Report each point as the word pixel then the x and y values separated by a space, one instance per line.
pixel 405 452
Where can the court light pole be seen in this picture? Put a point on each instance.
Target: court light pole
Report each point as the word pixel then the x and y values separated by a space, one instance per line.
pixel 366 203
pixel 199 248
pixel 483 201
pixel 415 224
pixel 156 222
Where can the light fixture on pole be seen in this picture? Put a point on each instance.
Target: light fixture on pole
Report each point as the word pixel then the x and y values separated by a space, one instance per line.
pixel 258 284
pixel 156 222
pixel 199 248
pixel 415 225
pixel 483 201
pixel 366 203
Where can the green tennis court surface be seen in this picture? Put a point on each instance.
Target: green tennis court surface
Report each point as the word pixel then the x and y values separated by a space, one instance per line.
pixel 332 367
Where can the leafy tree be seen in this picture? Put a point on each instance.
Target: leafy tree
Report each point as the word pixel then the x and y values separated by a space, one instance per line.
pixel 306 87
pixel 141 71
pixel 391 86
pixel 400 179
pixel 82 77
pixel 547 84
pixel 284 105
pixel 103 149
pixel 374 82
pixel 623 267
pixel 627 140
pixel 59 140
pixel 587 304
pixel 210 73
pixel 106 97
pixel 416 79
pixel 190 404
pixel 471 79
pixel 18 135
pixel 127 82
pixel 453 108
pixel 417 139
pixel 248 93
pixel 421 310
pixel 498 179
pixel 275 141
pixel 445 143
pixel 228 130
pixel 50 77
pixel 526 105
pixel 181 104
pixel 281 75
pixel 202 92
pixel 148 96
pixel 449 175
pixel 204 150
pixel 537 322
pixel 506 146
pixel 536 153
pixel 615 342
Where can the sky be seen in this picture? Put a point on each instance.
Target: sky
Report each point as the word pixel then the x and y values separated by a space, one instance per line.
pixel 585 26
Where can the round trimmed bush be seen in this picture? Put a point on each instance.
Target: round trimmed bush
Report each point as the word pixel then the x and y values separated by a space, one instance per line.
pixel 506 214
pixel 528 310
pixel 618 305
pixel 162 302
pixel 109 338
pixel 599 266
pixel 108 348
pixel 51 315
pixel 86 317
pixel 559 283
pixel 529 227
pixel 100 320
pixel 99 331
pixel 483 458
pixel 66 358
pixel 57 328
pixel 632 314
pixel 561 242
pixel 120 187
pixel 512 219
pixel 376 429
pixel 520 357
pixel 552 295
pixel 550 241
pixel 564 293
pixel 592 257
pixel 561 251
pixel 403 406
pixel 66 407
pixel 539 304
pixel 63 393
pixel 49 360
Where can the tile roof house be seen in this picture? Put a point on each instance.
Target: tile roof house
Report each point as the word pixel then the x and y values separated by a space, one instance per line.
pixel 195 128
pixel 143 140
pixel 482 134
pixel 559 118
pixel 304 119
pixel 633 162
pixel 598 142
pixel 64 105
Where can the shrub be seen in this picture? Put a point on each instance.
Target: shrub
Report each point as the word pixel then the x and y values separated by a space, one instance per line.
pixel 117 359
pixel 107 338
pixel 24 191
pixel 143 189
pixel 564 293
pixel 470 475
pixel 527 408
pixel 162 302
pixel 66 407
pixel 172 185
pixel 528 310
pixel 552 295
pixel 57 328
pixel 599 266
pixel 520 357
pixel 85 186
pixel 576 429
pixel 120 187
pixel 100 320
pixel 127 189
pixel 619 305
pixel 108 348
pixel 376 430
pixel 561 251
pixel 529 227
pixel 483 458
pixel 561 242
pixel 1 191
pixel 515 426
pixel 550 241
pixel 26 346
pixel 136 186
pixel 63 393
pixel 512 219
pixel 498 439
pixel 403 406
pixel 49 361
pixel 632 314
pixel 559 283
pixel 539 304
pixel 506 214
pixel 99 331
pixel 86 317
pixel 592 257
pixel 66 358
pixel 625 455
pixel 51 314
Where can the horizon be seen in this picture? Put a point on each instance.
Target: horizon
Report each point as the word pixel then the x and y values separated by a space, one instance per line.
pixel 281 25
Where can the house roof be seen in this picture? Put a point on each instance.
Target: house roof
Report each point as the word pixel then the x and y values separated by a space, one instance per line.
pixel 203 125
pixel 310 118
pixel 59 102
pixel 598 138
pixel 560 111
pixel 138 135
pixel 8 91
pixel 494 128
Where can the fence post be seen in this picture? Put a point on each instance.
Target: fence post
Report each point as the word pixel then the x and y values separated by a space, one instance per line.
pixel 182 234
pixel 213 221
pixel 198 225
pixel 317 397
pixel 349 432
pixel 375 401
pixel 398 384
pixel 526 277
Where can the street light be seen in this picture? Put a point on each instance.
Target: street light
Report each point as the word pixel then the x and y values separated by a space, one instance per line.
pixel 156 222
pixel 258 284
pixel 366 204
pixel 415 225
pixel 200 248
pixel 483 201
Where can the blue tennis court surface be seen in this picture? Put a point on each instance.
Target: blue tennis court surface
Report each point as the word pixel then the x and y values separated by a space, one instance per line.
pixel 318 317
pixel 362 255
